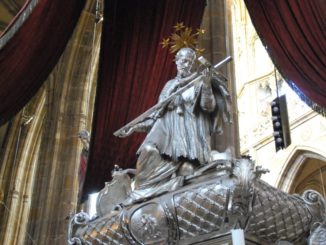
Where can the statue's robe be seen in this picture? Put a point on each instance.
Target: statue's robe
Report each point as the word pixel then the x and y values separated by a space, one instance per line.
pixel 181 132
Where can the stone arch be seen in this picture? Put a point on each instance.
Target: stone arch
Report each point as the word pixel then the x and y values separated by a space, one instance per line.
pixel 305 168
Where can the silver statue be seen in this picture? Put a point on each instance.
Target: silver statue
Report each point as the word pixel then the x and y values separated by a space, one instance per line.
pixel 179 132
pixel 187 193
pixel 115 191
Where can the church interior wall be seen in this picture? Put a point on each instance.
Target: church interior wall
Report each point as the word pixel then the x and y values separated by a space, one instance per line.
pixel 258 83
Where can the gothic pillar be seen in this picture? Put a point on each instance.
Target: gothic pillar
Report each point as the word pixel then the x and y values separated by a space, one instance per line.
pixel 19 161
pixel 70 92
pixel 217 43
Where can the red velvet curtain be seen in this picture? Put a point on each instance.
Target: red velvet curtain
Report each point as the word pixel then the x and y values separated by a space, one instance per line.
pixel 133 70
pixel 294 32
pixel 28 58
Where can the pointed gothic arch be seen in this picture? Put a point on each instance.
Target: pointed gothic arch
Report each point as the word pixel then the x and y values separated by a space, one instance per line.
pixel 304 169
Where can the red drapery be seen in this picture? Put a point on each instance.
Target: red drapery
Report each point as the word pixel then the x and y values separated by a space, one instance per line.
pixel 294 32
pixel 28 58
pixel 133 69
pixel 82 171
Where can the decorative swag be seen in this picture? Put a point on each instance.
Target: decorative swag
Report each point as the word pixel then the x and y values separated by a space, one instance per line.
pixel 294 33
pixel 31 54
pixel 133 69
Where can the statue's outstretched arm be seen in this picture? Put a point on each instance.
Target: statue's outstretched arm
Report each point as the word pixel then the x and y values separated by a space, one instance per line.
pixel 143 126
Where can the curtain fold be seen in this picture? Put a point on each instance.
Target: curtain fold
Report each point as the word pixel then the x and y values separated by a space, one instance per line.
pixel 31 54
pixel 294 34
pixel 133 69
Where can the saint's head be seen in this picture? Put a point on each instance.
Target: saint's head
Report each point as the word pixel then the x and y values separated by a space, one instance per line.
pixel 184 60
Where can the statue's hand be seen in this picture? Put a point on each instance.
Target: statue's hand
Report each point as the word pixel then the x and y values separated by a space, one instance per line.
pixel 126 132
pixel 184 81
pixel 144 126
pixel 207 76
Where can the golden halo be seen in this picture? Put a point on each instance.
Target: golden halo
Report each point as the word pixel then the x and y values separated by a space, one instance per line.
pixel 183 37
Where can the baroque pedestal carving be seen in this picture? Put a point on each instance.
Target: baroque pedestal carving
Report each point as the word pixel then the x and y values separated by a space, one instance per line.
pixel 205 210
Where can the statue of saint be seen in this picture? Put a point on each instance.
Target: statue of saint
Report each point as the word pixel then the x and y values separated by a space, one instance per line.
pixel 179 134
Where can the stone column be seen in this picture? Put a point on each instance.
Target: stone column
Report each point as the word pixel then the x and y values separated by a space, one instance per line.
pixel 70 92
pixel 217 43
pixel 19 157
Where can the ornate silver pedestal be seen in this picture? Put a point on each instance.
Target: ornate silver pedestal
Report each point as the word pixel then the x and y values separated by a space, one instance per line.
pixel 206 209
pixel 227 240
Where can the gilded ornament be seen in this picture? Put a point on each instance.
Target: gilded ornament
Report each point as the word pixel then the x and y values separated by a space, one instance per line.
pixel 183 37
